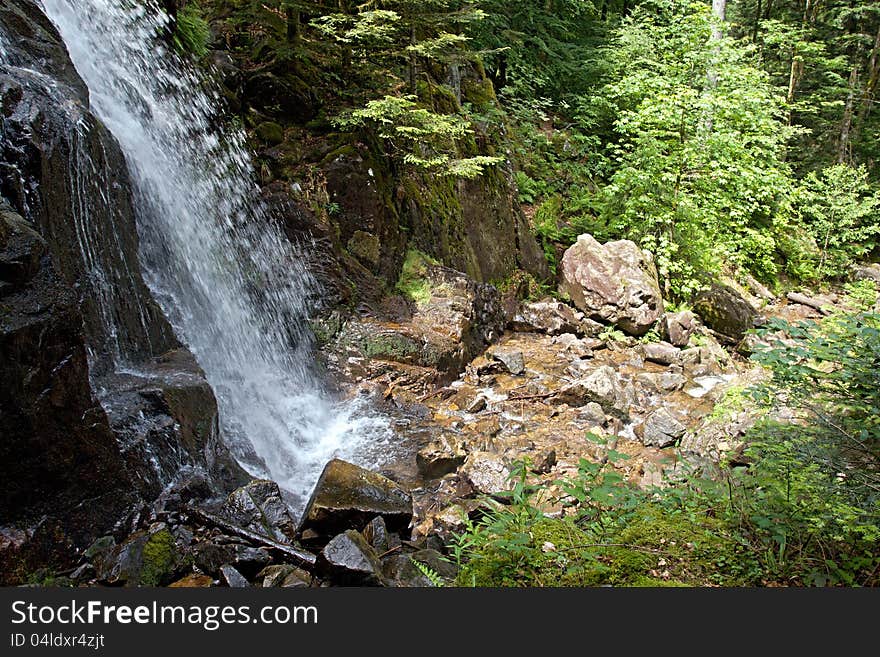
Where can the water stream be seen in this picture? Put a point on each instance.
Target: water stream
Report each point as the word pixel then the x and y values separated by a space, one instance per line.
pixel 235 289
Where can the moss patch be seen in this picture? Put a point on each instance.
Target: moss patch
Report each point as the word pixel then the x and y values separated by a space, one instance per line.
pixel 158 558
pixel 413 283
pixel 270 132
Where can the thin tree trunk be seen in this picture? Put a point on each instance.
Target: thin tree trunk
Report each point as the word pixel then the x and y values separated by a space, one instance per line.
pixel 294 25
pixel 844 146
pixel 871 82
pixel 413 63
pixel 846 123
pixel 719 11
pixel 757 22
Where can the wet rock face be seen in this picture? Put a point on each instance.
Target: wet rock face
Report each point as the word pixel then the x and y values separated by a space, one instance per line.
pixel 66 175
pixel 56 446
pixel 725 311
pixel 349 496
pixel 165 419
pixel 349 559
pixel 259 507
pixel 615 283
pixel 79 445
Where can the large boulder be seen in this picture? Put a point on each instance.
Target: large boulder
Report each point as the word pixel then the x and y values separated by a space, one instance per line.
pixel 725 311
pixel 347 496
pixel 445 332
pixel 615 283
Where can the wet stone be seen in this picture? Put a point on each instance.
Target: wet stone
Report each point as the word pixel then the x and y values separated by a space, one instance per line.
pixel 513 361
pixel 232 578
pixel 350 560
pixel 348 496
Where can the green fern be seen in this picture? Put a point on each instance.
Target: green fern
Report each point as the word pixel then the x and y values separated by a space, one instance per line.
pixel 432 575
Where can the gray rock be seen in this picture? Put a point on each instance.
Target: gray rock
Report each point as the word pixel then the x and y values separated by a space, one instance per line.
pixel 211 556
pixel 615 283
pixel 662 353
pixel 553 318
pixel 661 429
pixel 259 507
pixel 603 386
pixel 232 578
pixel 869 272
pixel 348 559
pixel 671 381
pixel 376 533
pixel 347 495
pixel 486 473
pixel 593 412
pixel 146 558
pixel 513 361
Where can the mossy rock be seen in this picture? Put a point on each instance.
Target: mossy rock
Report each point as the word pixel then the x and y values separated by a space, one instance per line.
pixel 270 132
pixel 159 558
pixel 365 247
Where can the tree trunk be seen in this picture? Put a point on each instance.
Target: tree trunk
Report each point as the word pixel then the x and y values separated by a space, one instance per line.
pixel 844 146
pixel 756 23
pixel 413 63
pixel 846 124
pixel 294 25
pixel 719 11
pixel 871 82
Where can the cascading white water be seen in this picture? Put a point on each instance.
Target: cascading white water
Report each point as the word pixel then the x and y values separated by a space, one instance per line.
pixel 235 290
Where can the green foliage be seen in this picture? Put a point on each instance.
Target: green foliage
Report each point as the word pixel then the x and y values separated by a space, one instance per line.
pixel 422 138
pixel 861 295
pixel 412 282
pixel 191 31
pixel 613 534
pixel 821 472
pixel 699 178
pixel 842 214
pixel 433 576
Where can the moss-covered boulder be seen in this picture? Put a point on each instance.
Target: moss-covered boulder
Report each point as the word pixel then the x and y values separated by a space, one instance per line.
pixel 270 132
pixel 347 496
pixel 725 311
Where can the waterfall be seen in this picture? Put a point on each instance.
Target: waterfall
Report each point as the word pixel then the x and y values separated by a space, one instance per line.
pixel 234 288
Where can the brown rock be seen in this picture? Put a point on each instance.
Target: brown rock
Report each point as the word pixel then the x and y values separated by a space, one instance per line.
pixel 347 495
pixel 615 283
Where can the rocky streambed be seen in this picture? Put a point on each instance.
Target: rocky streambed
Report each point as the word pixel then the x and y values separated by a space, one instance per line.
pixel 474 384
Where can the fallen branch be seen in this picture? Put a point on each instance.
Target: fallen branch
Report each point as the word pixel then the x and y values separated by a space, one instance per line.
pixel 302 557
pixel 804 300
